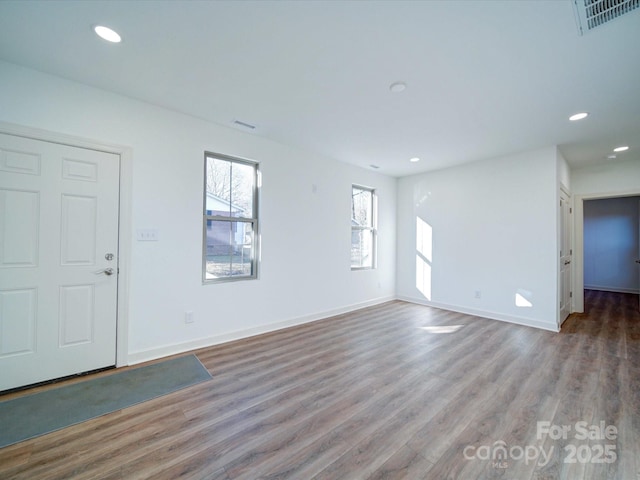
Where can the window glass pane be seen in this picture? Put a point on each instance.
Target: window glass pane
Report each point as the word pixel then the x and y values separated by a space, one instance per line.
pixel 228 249
pixel 241 260
pixel 242 188
pixel 361 248
pixel 218 187
pixel 218 249
pixel 361 208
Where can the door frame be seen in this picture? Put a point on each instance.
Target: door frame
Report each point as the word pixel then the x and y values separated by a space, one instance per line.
pixel 124 220
pixel 566 228
pixel 578 259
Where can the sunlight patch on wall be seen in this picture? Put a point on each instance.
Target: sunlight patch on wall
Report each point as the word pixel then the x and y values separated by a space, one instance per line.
pixel 423 277
pixel 523 298
pixel 424 251
pixel 424 239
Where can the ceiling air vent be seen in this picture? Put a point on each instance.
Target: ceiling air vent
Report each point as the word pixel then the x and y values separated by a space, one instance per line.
pixel 245 125
pixel 593 13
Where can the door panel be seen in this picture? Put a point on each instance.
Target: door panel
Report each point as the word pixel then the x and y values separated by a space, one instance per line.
pixel 19 213
pixel 78 230
pixel 58 221
pixel 18 325
pixel 77 314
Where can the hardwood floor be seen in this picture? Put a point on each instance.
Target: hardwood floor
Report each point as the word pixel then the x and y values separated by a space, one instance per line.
pixel 389 392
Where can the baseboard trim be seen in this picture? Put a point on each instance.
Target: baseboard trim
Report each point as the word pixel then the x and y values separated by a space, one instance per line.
pixel 612 289
pixel 174 349
pixel 527 322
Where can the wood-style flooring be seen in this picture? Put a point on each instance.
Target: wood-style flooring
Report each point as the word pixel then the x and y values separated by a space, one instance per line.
pixel 388 392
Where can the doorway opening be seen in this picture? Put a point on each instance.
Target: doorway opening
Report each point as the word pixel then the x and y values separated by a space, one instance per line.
pixel 606 243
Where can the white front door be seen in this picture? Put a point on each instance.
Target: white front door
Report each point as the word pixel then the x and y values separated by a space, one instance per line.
pixel 58 260
pixel 565 257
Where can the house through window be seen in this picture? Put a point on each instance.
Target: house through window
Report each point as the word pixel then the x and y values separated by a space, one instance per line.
pixel 363 228
pixel 230 219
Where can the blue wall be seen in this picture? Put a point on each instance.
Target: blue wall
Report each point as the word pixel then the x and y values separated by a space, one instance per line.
pixel 611 244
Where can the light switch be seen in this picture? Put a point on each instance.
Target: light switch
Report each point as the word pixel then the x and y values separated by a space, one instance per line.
pixel 147 234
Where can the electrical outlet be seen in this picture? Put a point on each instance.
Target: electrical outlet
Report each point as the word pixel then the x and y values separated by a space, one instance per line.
pixel 478 294
pixel 188 317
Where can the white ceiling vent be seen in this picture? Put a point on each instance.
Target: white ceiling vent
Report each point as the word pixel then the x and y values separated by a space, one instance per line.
pixel 593 13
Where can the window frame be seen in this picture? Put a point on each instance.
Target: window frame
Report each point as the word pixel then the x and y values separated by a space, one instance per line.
pixel 373 228
pixel 253 220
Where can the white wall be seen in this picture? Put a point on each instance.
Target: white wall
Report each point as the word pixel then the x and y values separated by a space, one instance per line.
pixel 611 244
pixel 564 172
pixel 305 271
pixel 611 179
pixel 494 226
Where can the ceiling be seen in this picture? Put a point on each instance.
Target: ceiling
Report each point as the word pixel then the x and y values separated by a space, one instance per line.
pixel 484 78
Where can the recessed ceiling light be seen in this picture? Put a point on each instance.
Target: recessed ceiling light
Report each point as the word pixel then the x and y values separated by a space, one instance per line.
pixel 578 116
pixel 621 149
pixel 414 159
pixel 611 156
pixel 107 34
pixel 398 87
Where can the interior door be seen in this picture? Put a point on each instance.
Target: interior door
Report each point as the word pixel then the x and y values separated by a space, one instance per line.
pixel 58 260
pixel 565 256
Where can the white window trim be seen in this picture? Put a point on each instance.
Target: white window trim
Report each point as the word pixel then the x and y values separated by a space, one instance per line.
pixel 255 223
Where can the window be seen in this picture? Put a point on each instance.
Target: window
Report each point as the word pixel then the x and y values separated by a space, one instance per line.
pixel 363 228
pixel 230 220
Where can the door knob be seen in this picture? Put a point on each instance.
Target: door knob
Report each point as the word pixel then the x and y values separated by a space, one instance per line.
pixel 106 271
